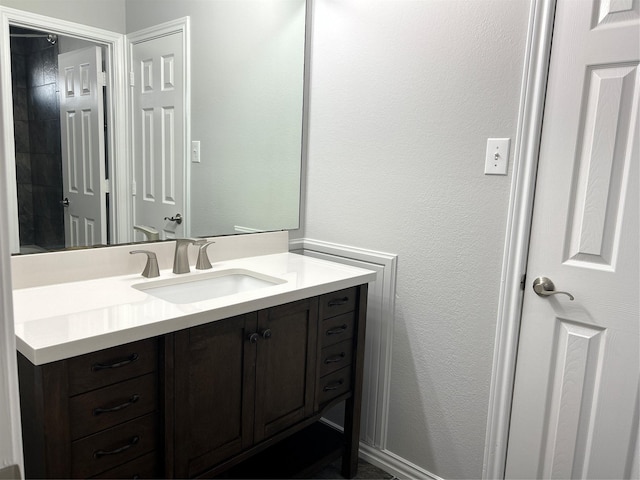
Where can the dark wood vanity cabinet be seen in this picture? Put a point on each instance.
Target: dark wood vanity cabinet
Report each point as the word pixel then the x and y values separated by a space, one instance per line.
pixel 203 401
pixel 95 415
pixel 241 380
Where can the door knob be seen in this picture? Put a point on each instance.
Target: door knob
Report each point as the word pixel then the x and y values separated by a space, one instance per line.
pixel 65 202
pixel 544 287
pixel 177 218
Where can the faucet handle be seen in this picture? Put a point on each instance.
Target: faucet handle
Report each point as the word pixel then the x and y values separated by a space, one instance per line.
pixel 151 268
pixel 203 262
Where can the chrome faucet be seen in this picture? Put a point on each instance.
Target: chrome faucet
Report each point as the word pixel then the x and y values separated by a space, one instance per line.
pixel 181 257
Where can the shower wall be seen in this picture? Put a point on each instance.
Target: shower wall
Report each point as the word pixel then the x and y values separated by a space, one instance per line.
pixel 34 63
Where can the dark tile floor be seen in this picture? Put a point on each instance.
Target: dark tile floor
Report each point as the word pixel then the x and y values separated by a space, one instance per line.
pixel 365 471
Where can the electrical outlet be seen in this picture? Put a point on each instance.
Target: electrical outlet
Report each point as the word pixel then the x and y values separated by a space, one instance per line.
pixel 497 156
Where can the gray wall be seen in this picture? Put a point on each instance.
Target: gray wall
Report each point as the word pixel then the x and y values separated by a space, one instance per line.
pixel 404 95
pixel 107 14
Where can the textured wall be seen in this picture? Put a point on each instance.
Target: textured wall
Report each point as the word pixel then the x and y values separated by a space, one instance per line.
pixel 404 95
pixel 107 14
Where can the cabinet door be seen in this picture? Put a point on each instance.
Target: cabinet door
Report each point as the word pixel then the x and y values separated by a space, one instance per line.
pixel 214 393
pixel 286 366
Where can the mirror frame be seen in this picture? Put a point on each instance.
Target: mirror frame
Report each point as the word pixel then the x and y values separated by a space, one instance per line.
pixel 116 111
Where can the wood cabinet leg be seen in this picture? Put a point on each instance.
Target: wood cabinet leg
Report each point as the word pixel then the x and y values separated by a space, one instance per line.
pixel 353 404
pixel 351 438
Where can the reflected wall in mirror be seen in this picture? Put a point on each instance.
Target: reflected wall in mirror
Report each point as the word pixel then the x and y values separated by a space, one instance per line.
pixel 247 76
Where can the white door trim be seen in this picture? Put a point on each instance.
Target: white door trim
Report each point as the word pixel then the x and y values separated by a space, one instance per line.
pixel 116 111
pixel 182 26
pixel 514 264
pixel 11 438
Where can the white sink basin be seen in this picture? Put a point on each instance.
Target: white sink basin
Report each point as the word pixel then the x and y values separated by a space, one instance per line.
pixel 205 286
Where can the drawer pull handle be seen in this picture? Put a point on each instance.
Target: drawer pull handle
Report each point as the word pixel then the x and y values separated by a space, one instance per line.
pixel 131 401
pixel 338 301
pixel 124 448
pixel 333 386
pixel 334 359
pixel 337 330
pixel 101 366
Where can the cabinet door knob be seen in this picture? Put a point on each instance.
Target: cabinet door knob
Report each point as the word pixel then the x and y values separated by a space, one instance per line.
pixel 253 337
pixel 266 334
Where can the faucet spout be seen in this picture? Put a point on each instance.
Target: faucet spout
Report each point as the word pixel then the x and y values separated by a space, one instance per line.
pixel 181 256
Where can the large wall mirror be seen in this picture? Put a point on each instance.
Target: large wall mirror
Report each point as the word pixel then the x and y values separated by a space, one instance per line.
pixel 238 133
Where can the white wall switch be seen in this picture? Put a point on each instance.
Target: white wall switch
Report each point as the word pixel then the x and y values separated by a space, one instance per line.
pixel 195 151
pixel 497 156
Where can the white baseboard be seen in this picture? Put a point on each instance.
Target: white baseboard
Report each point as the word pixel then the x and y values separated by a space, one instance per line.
pixel 394 464
pixel 387 461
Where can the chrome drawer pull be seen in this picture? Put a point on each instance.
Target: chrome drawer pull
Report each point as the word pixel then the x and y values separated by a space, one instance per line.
pixel 101 366
pixel 338 301
pixel 333 386
pixel 337 330
pixel 124 448
pixel 131 401
pixel 334 359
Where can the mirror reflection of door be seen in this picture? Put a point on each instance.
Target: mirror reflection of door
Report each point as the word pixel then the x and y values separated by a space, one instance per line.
pixel 34 71
pixel 158 136
pixel 83 153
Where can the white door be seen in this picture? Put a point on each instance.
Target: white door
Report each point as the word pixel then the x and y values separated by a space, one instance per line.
pixel 575 407
pixel 158 135
pixel 83 155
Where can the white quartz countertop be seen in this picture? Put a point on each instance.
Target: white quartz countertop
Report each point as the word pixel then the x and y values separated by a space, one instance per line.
pixel 63 320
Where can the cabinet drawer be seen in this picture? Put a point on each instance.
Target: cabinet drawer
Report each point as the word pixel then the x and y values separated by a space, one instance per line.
pixel 105 450
pixel 334 385
pixel 103 408
pixel 112 365
pixel 337 303
pixel 142 467
pixel 335 357
pixel 336 329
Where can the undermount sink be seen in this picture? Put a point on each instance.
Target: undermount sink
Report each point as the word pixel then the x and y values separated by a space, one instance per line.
pixel 206 286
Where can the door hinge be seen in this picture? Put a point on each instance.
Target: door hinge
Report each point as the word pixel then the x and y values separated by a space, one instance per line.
pixel 132 79
pixel 133 188
pixel 106 185
pixel 103 79
pixel 523 280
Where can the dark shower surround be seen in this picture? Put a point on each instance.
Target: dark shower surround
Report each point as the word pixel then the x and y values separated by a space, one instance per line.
pixel 34 63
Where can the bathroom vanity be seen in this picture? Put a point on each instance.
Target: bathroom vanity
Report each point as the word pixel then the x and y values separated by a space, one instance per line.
pixel 232 386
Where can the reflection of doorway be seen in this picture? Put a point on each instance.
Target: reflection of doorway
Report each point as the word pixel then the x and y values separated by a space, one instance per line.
pixel 34 61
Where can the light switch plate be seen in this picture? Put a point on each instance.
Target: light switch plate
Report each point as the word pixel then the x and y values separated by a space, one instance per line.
pixel 496 158
pixel 195 151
